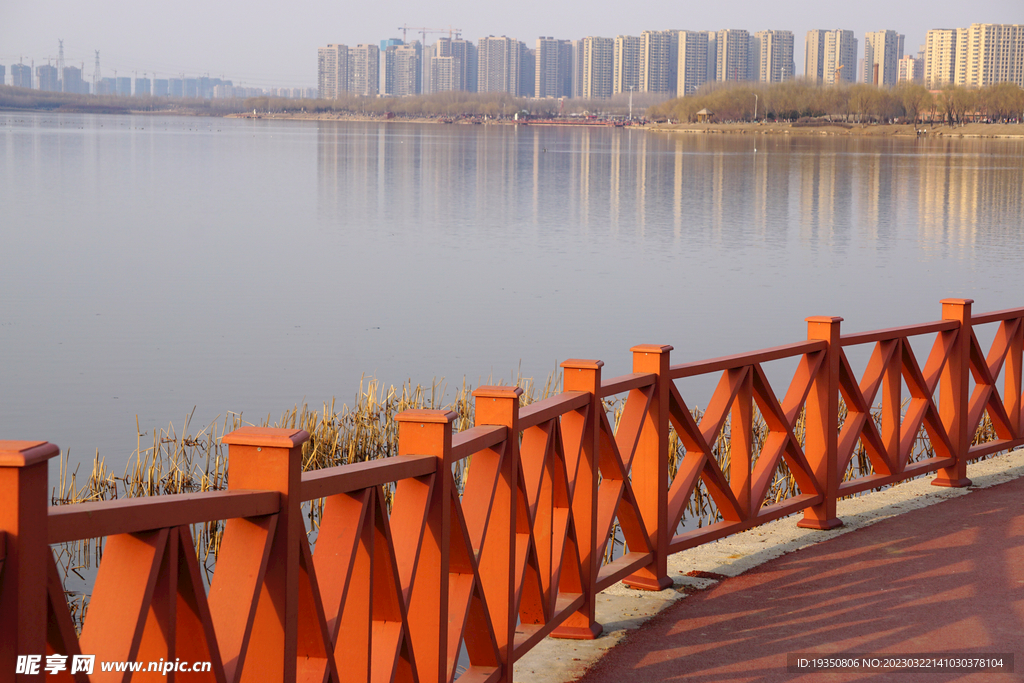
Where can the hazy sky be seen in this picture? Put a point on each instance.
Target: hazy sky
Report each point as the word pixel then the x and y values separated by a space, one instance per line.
pixel 261 43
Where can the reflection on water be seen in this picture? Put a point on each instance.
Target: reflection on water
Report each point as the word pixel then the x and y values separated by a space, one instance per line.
pixel 720 189
pixel 153 264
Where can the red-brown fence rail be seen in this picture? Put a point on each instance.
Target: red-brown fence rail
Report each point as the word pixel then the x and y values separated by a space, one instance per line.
pixel 456 578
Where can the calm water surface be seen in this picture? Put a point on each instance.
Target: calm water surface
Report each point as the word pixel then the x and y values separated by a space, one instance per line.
pixel 150 265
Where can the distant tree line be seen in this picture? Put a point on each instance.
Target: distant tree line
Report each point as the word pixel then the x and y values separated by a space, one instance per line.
pixel 859 103
pixel 456 104
pixel 448 105
pixel 42 100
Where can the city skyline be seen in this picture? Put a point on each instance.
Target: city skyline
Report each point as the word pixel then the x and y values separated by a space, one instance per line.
pixel 257 48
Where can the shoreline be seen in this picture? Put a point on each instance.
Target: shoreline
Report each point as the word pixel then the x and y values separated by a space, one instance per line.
pixel 1011 131
pixel 970 130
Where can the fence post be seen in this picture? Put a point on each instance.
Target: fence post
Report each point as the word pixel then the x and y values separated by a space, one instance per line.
pixel 822 425
pixel 271 460
pixel 23 523
pixel 954 404
pixel 584 375
pixel 429 432
pixel 649 473
pixel 496 405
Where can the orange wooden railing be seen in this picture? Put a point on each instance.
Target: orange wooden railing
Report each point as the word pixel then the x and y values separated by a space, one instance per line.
pixel 515 553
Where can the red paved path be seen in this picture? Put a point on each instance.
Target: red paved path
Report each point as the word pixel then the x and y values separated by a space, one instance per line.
pixel 949 577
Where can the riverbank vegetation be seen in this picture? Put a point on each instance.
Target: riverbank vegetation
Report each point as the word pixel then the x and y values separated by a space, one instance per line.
pixel 806 101
pixel 448 105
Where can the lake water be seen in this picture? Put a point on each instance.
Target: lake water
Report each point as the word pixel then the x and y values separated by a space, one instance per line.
pixel 150 265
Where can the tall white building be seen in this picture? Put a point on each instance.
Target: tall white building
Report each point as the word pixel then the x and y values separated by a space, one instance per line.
pixel 882 52
pixel 734 63
pixel 940 52
pixel 332 71
pixel 364 70
pixel 830 56
pixel 773 51
pixel 498 64
pixel 553 68
pixel 910 70
pixel 596 67
pixel 402 66
pixel 658 61
pixel 993 53
pixel 626 68
pixel 692 64
pixel 450 64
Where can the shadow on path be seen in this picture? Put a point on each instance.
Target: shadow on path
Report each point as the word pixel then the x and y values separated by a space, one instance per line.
pixel 946 578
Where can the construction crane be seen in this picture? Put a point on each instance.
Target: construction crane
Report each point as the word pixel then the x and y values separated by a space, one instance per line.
pixel 452 32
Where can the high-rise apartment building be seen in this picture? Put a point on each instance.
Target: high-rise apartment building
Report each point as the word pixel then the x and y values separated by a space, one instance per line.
pixel 773 52
pixel 527 71
pixel 712 56
pixel 692 62
pixel 595 68
pixel 994 53
pixel 387 64
pixel 882 51
pixel 626 66
pixel 332 71
pixel 814 54
pixel 659 60
pixel 142 87
pixel 46 78
pixel 840 57
pixel 734 63
pixel 402 72
pixel 910 70
pixel 450 64
pixel 21 76
pixel 577 68
pixel 364 70
pixel 499 61
pixel 940 50
pixel 830 57
pixel 72 82
pixel 3 75
pixel 553 68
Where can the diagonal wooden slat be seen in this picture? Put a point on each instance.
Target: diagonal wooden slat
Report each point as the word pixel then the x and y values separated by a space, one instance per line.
pixel 409 522
pixel 60 631
pixel 235 589
pixel 468 615
pixel 531 601
pixel 627 436
pixel 196 639
pixel 721 401
pixel 710 472
pixel 479 493
pixel 341 526
pixel 533 453
pixel 315 652
pixel 979 364
pixel 800 385
pixel 390 647
pixel 937 359
pixel 774 414
pixel 764 469
pixel 124 586
pixel 344 550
